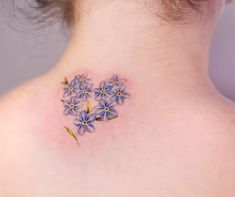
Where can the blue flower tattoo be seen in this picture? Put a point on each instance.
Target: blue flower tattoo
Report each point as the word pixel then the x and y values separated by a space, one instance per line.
pixel 70 89
pixel 79 94
pixel 84 92
pixel 71 106
pixel 103 91
pixel 119 95
pixel 82 79
pixel 106 111
pixel 85 122
pixel 116 81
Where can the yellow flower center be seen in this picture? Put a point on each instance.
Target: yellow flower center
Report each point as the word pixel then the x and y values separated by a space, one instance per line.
pixel 102 91
pixel 85 91
pixel 85 123
pixel 71 105
pixel 115 82
pixel 82 78
pixel 119 94
pixel 106 109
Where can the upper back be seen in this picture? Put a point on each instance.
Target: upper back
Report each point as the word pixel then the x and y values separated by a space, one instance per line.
pixel 184 151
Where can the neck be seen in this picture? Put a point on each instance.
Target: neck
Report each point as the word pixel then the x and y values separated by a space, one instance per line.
pixel 132 41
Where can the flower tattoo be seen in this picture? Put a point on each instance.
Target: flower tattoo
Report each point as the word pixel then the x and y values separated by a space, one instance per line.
pixel 84 122
pixel 106 111
pixel 103 91
pixel 79 94
pixel 84 92
pixel 116 81
pixel 70 89
pixel 82 79
pixel 71 106
pixel 119 95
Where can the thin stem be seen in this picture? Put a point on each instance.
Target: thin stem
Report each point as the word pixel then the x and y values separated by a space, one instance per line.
pixel 93 108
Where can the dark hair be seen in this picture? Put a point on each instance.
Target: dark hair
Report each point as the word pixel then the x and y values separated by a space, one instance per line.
pixel 179 10
pixel 174 10
pixel 62 9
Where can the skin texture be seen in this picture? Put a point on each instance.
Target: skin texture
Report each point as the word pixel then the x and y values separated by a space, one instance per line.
pixel 174 137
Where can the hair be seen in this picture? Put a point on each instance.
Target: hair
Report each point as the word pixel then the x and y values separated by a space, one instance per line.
pixel 62 9
pixel 171 10
pixel 181 10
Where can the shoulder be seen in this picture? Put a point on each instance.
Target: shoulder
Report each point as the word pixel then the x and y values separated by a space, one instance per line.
pixel 20 107
pixel 13 142
pixel 14 116
pixel 19 116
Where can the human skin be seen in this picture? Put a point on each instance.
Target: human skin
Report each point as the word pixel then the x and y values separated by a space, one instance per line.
pixel 173 137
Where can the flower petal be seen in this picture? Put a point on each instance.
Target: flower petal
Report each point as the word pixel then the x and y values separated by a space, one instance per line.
pixel 92 117
pixel 126 95
pixel 81 131
pixel 66 111
pixel 113 112
pixel 90 128
pixel 83 115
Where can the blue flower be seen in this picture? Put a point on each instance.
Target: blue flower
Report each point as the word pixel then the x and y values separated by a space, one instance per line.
pixel 84 92
pixel 82 79
pixel 84 123
pixel 71 106
pixel 70 89
pixel 106 110
pixel 103 91
pixel 119 95
pixel 115 81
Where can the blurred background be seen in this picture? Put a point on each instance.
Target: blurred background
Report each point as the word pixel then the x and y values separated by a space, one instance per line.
pixel 24 52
